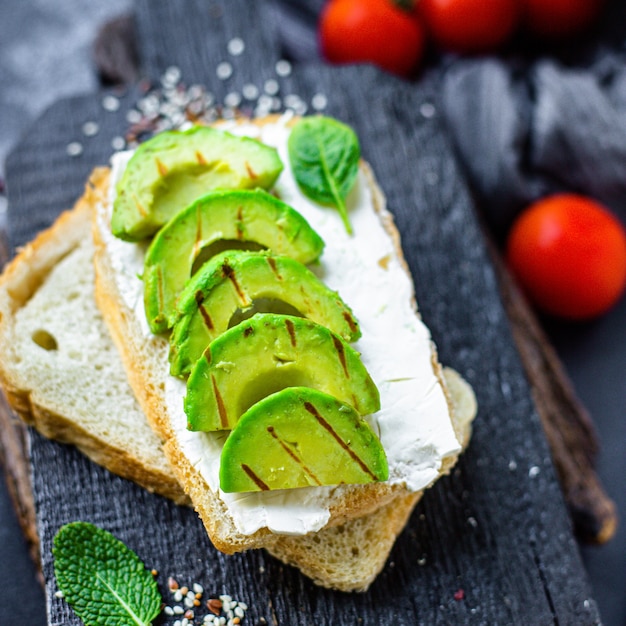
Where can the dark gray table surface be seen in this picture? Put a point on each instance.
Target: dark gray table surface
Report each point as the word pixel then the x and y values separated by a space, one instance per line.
pixel 592 354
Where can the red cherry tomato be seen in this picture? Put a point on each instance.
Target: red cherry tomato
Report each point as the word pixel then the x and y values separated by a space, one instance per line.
pixel 374 31
pixel 560 18
pixel 569 255
pixel 470 26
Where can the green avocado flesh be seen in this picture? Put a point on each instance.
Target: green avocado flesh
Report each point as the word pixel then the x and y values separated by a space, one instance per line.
pixel 242 216
pixel 266 354
pixel 300 437
pixel 235 281
pixel 171 170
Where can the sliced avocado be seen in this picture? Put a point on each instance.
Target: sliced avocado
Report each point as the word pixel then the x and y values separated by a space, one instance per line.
pixel 234 216
pixel 236 280
pixel 300 437
pixel 268 353
pixel 169 171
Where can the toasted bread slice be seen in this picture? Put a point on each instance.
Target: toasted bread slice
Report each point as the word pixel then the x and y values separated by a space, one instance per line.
pixel 118 294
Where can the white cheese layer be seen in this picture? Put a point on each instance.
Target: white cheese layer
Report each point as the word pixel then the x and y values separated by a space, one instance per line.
pixel 413 424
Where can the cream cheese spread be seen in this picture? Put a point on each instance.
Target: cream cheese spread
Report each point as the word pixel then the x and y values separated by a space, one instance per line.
pixel 413 423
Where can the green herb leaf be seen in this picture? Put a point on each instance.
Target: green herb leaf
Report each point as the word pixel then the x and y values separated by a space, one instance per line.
pixel 324 156
pixel 104 581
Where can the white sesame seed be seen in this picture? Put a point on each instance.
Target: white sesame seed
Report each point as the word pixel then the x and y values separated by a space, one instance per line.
pixel 133 116
pixel 171 76
pixel 177 623
pixel 232 99
pixel 319 101
pixel 427 110
pixel 74 148
pixel 59 594
pixel 118 143
pixel 168 610
pixel 198 588
pixel 189 601
pixel 90 129
pixel 184 622
pixel 178 610
pixel 243 605
pixel 110 103
pixel 472 522
pixel 239 612
pixel 250 91
pixel 224 70
pixel 512 466
pixel 283 68
pixel 235 46
pixel 226 598
pixel 534 471
pixel 271 87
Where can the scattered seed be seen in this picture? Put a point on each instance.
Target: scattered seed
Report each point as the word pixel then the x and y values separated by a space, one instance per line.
pixel 178 596
pixel 534 471
pixel 250 91
pixel 427 110
pixel 232 99
pixel 319 101
pixel 236 46
pixel 198 588
pixel 271 87
pixel 74 148
pixel 172 583
pixel 512 466
pixel 283 68
pixel 118 143
pixel 168 610
pixel 224 70
pixel 59 594
pixel 179 610
pixel 90 129
pixel 110 103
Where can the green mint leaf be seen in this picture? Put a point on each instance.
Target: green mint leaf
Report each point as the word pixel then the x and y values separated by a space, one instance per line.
pixel 104 581
pixel 324 156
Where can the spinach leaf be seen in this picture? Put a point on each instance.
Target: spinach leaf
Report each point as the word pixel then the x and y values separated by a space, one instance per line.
pixel 104 581
pixel 324 156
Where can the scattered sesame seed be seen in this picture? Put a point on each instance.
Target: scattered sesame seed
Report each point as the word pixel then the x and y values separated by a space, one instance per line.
pixel 178 596
pixel 172 583
pixel 224 70
pixel 243 606
pixel 74 148
pixel 59 594
pixel 239 612
pixel 283 68
pixel 198 588
pixel 586 604
pixel 512 466
pixel 184 590
pixel 189 614
pixel 421 561
pixel 534 471
pixel 171 76
pixel 188 602
pixel 184 622
pixel 118 143
pixel 90 129
pixel 319 101
pixel 236 46
pixel 250 91
pixel 110 103
pixel 427 110
pixel 178 610
pixel 271 87
pixel 472 522
pixel 168 610
pixel 177 623
pixel 232 99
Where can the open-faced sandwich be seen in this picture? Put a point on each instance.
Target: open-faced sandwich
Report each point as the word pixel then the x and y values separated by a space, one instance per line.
pixel 254 285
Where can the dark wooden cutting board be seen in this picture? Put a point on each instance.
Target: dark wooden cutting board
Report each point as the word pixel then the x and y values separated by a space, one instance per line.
pixel 497 528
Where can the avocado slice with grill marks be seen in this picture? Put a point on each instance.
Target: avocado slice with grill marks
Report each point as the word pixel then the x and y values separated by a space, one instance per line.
pixel 300 437
pixel 238 218
pixel 266 354
pixel 238 281
pixel 170 170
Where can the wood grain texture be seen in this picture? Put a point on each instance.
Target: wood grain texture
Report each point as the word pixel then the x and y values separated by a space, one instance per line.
pixel 497 527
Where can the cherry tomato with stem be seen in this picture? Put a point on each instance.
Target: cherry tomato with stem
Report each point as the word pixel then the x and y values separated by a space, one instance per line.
pixel 381 32
pixel 569 255
pixel 470 26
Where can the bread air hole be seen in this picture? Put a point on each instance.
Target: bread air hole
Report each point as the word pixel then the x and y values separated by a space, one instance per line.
pixel 45 340
pixel 263 305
